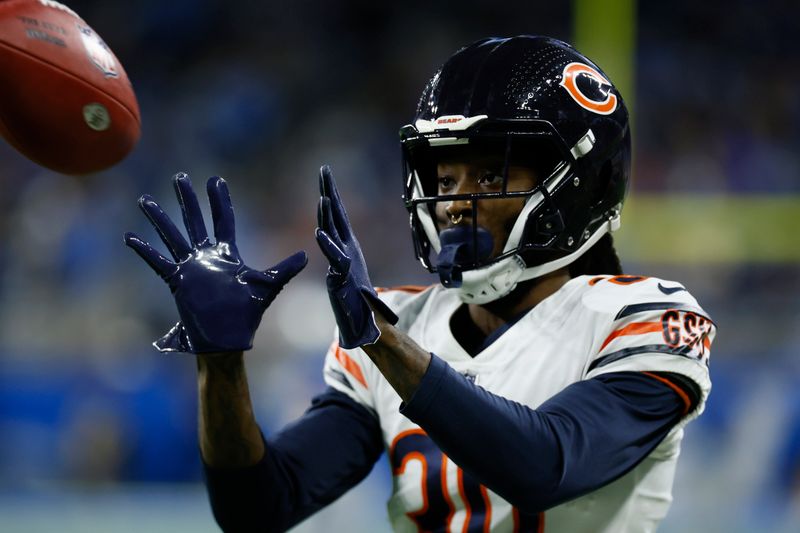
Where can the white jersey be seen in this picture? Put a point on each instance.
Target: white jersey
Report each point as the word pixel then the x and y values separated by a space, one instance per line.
pixel 591 326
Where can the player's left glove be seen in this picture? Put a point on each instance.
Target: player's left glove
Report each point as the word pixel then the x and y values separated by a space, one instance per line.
pixel 220 299
pixel 349 287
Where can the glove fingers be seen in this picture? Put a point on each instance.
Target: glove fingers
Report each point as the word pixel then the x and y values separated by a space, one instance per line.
pixel 328 189
pixel 324 178
pixel 339 262
pixel 190 207
pixel 163 266
pixel 168 232
pixel 284 271
pixel 221 210
pixel 325 218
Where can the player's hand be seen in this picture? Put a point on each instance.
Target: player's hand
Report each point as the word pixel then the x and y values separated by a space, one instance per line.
pixel 351 293
pixel 220 300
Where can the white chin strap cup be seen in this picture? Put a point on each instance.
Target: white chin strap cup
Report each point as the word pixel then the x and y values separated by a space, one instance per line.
pixel 492 282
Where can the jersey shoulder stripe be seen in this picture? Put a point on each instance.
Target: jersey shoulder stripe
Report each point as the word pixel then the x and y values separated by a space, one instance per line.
pixel 633 309
pixel 348 364
pixel 634 328
pixel 684 351
pixel 349 372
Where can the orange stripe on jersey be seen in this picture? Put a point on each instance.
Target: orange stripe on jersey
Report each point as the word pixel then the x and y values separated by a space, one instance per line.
pixel 517 522
pixel 679 391
pixel 414 289
pixel 594 281
pixel 347 362
pixel 463 494
pixel 487 520
pixel 446 494
pixel 402 434
pixel 636 328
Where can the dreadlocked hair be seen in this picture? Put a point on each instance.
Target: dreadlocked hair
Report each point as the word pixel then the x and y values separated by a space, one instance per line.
pixel 601 258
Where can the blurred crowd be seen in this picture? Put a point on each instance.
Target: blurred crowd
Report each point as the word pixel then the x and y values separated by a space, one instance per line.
pixel 263 93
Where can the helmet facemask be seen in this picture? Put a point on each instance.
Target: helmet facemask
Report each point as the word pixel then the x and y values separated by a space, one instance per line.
pixel 464 255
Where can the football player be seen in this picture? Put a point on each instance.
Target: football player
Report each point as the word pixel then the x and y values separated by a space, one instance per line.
pixel 535 387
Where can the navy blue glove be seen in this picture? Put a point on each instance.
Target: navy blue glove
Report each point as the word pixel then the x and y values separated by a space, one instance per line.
pixel 220 300
pixel 349 288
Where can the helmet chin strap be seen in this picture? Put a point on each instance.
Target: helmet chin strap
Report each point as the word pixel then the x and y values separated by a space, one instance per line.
pixel 492 282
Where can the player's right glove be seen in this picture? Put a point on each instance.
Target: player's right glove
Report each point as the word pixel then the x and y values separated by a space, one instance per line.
pixel 220 300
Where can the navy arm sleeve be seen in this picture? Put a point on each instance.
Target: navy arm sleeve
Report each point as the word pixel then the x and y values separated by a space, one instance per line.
pixel 581 439
pixel 306 466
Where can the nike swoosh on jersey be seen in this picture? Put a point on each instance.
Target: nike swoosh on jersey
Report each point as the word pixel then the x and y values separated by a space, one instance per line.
pixel 670 290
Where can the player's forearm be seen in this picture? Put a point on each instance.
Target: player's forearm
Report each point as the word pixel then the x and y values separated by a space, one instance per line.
pixel 229 435
pixel 581 439
pixel 401 360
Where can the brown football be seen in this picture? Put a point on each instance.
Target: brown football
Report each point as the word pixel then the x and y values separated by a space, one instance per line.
pixel 65 100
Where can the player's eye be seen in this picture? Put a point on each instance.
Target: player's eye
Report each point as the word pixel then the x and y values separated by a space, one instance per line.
pixel 491 180
pixel 445 183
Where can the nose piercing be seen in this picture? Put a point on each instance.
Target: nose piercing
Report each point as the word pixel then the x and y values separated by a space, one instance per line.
pixel 455 219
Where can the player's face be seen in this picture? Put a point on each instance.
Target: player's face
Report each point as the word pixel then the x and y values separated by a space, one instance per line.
pixel 470 174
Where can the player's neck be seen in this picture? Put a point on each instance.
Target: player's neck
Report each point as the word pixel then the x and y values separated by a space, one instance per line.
pixel 527 295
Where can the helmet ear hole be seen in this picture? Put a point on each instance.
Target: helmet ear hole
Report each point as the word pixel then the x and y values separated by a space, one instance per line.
pixel 611 184
pixel 601 187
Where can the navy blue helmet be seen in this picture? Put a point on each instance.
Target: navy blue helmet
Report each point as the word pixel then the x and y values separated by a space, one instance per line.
pixel 538 102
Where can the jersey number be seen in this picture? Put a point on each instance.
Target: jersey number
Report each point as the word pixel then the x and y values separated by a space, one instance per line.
pixel 436 513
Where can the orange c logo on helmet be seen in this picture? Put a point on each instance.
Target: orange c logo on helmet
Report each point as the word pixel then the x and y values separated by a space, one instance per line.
pixel 604 102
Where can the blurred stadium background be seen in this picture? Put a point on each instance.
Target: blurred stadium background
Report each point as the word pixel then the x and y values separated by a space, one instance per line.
pixel 97 431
